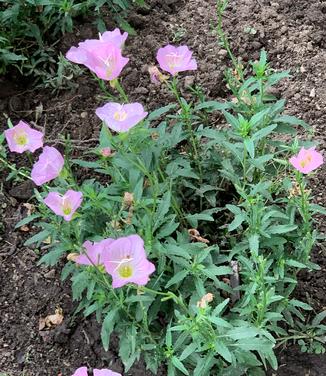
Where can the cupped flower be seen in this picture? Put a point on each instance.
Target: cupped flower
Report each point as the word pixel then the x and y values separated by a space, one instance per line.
pixel 307 160
pixel 105 372
pixel 94 252
pixel 22 137
pixel 115 37
pixel 48 166
pixel 126 262
pixel 81 371
pixel 65 205
pixel 176 59
pixel 121 117
pixel 101 57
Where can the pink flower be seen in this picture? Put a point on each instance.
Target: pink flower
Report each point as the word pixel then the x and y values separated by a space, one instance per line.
pixel 103 57
pixel 106 152
pixel 48 166
pixel 307 160
pixel 115 37
pixel 65 205
pixel 127 263
pixel 22 137
pixel 82 371
pixel 121 117
pixel 105 372
pixel 94 252
pixel 176 59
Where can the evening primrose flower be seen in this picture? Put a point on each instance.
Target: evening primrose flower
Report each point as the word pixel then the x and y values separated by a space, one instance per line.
pixel 102 57
pixel 307 160
pixel 48 166
pixel 65 205
pixel 115 37
pixel 22 137
pixel 94 252
pixel 82 371
pixel 176 59
pixel 105 372
pixel 121 117
pixel 126 262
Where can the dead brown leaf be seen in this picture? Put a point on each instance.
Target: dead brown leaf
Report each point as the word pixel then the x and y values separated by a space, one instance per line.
pixel 50 321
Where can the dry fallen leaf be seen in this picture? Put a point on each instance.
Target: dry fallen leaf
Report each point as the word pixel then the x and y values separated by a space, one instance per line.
pixel 24 228
pixel 195 235
pixel 51 320
pixel 30 208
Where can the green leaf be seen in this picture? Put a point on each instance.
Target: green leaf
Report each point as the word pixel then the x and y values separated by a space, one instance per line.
pixel 243 332
pixel 281 229
pixel 180 276
pixel 295 264
pixel 250 147
pixel 26 220
pixel 108 326
pixel 38 238
pixel 191 348
pixel 194 218
pixel 222 350
pixel 237 221
pixel 177 363
pixel 220 307
pixel 162 210
pixel 159 112
pixel 319 318
pixel 297 303
pixel 254 244
pixel 263 132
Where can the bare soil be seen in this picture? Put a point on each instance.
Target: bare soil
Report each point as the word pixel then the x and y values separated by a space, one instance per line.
pixel 293 34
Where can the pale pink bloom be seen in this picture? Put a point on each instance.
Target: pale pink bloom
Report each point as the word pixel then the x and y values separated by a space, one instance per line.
pixel 101 57
pixel 82 371
pixel 126 262
pixel 105 372
pixel 94 252
pixel 121 117
pixel 307 160
pixel 176 59
pixel 22 137
pixel 115 37
pixel 65 205
pixel 48 166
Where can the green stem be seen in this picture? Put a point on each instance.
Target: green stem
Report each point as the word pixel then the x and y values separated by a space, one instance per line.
pixel 12 168
pixel 121 91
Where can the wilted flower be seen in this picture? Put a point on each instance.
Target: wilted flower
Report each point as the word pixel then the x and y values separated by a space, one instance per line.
pixel 94 252
pixel 203 302
pixel 22 137
pixel 106 152
pixel 176 59
pixel 126 261
pixel 128 199
pixel 307 160
pixel 121 117
pixel 103 57
pixel 156 75
pixel 48 166
pixel 65 205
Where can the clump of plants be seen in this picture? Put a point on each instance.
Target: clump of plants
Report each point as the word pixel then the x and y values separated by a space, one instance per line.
pixel 188 240
pixel 30 29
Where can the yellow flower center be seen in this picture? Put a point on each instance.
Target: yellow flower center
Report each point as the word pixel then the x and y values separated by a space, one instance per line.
pixel 306 161
pixel 109 64
pixel 120 115
pixel 66 208
pixel 125 271
pixel 21 138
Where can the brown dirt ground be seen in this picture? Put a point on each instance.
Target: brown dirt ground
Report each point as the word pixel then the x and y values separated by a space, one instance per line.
pixel 293 33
